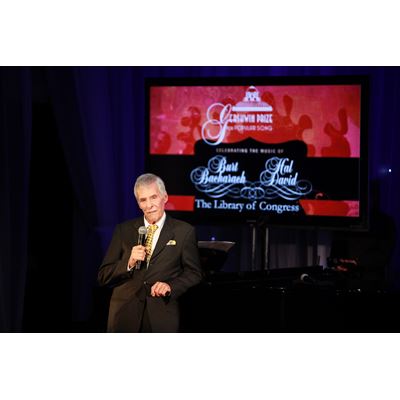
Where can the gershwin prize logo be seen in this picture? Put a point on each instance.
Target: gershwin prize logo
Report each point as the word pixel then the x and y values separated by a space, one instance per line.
pixel 250 114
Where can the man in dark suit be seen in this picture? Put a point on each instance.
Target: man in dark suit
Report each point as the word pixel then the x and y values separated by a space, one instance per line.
pixel 148 279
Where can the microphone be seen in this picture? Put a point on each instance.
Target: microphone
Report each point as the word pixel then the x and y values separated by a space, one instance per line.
pixel 141 240
pixel 306 278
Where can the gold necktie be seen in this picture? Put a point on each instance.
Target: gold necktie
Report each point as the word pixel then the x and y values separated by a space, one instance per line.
pixel 149 240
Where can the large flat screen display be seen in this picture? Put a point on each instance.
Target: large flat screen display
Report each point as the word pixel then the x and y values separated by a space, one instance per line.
pixel 287 151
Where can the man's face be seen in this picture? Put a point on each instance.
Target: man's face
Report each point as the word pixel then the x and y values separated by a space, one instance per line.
pixel 151 202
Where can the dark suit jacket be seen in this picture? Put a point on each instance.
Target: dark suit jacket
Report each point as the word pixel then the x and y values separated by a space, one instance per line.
pixel 175 260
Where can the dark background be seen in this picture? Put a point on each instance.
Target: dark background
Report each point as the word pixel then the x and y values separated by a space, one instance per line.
pixel 72 144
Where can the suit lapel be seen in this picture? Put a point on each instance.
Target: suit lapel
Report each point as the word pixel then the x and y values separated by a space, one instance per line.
pixel 166 234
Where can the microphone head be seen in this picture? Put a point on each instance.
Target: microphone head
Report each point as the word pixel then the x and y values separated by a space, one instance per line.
pixel 142 230
pixel 305 277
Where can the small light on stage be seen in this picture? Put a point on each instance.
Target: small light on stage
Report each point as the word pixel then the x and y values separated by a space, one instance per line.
pixel 212 237
pixel 390 170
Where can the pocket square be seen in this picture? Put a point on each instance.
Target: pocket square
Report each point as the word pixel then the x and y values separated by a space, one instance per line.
pixel 171 243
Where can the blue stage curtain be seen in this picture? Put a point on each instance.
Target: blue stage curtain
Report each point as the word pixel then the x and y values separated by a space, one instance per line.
pixel 97 111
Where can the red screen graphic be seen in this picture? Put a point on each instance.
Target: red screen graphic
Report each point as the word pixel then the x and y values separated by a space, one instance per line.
pixel 258 149
pixel 327 118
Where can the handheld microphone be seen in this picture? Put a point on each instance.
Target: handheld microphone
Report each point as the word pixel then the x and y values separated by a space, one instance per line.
pixel 141 240
pixel 306 278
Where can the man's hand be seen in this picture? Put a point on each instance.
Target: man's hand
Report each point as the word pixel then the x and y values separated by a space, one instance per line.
pixel 138 253
pixel 160 289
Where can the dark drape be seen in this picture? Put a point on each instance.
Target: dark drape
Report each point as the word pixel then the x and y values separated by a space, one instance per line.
pixel 95 110
pixel 15 144
pixel 99 112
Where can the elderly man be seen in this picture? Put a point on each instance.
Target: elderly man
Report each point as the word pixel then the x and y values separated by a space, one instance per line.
pixel 148 276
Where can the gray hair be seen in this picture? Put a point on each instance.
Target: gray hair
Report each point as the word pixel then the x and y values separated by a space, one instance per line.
pixel 148 179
